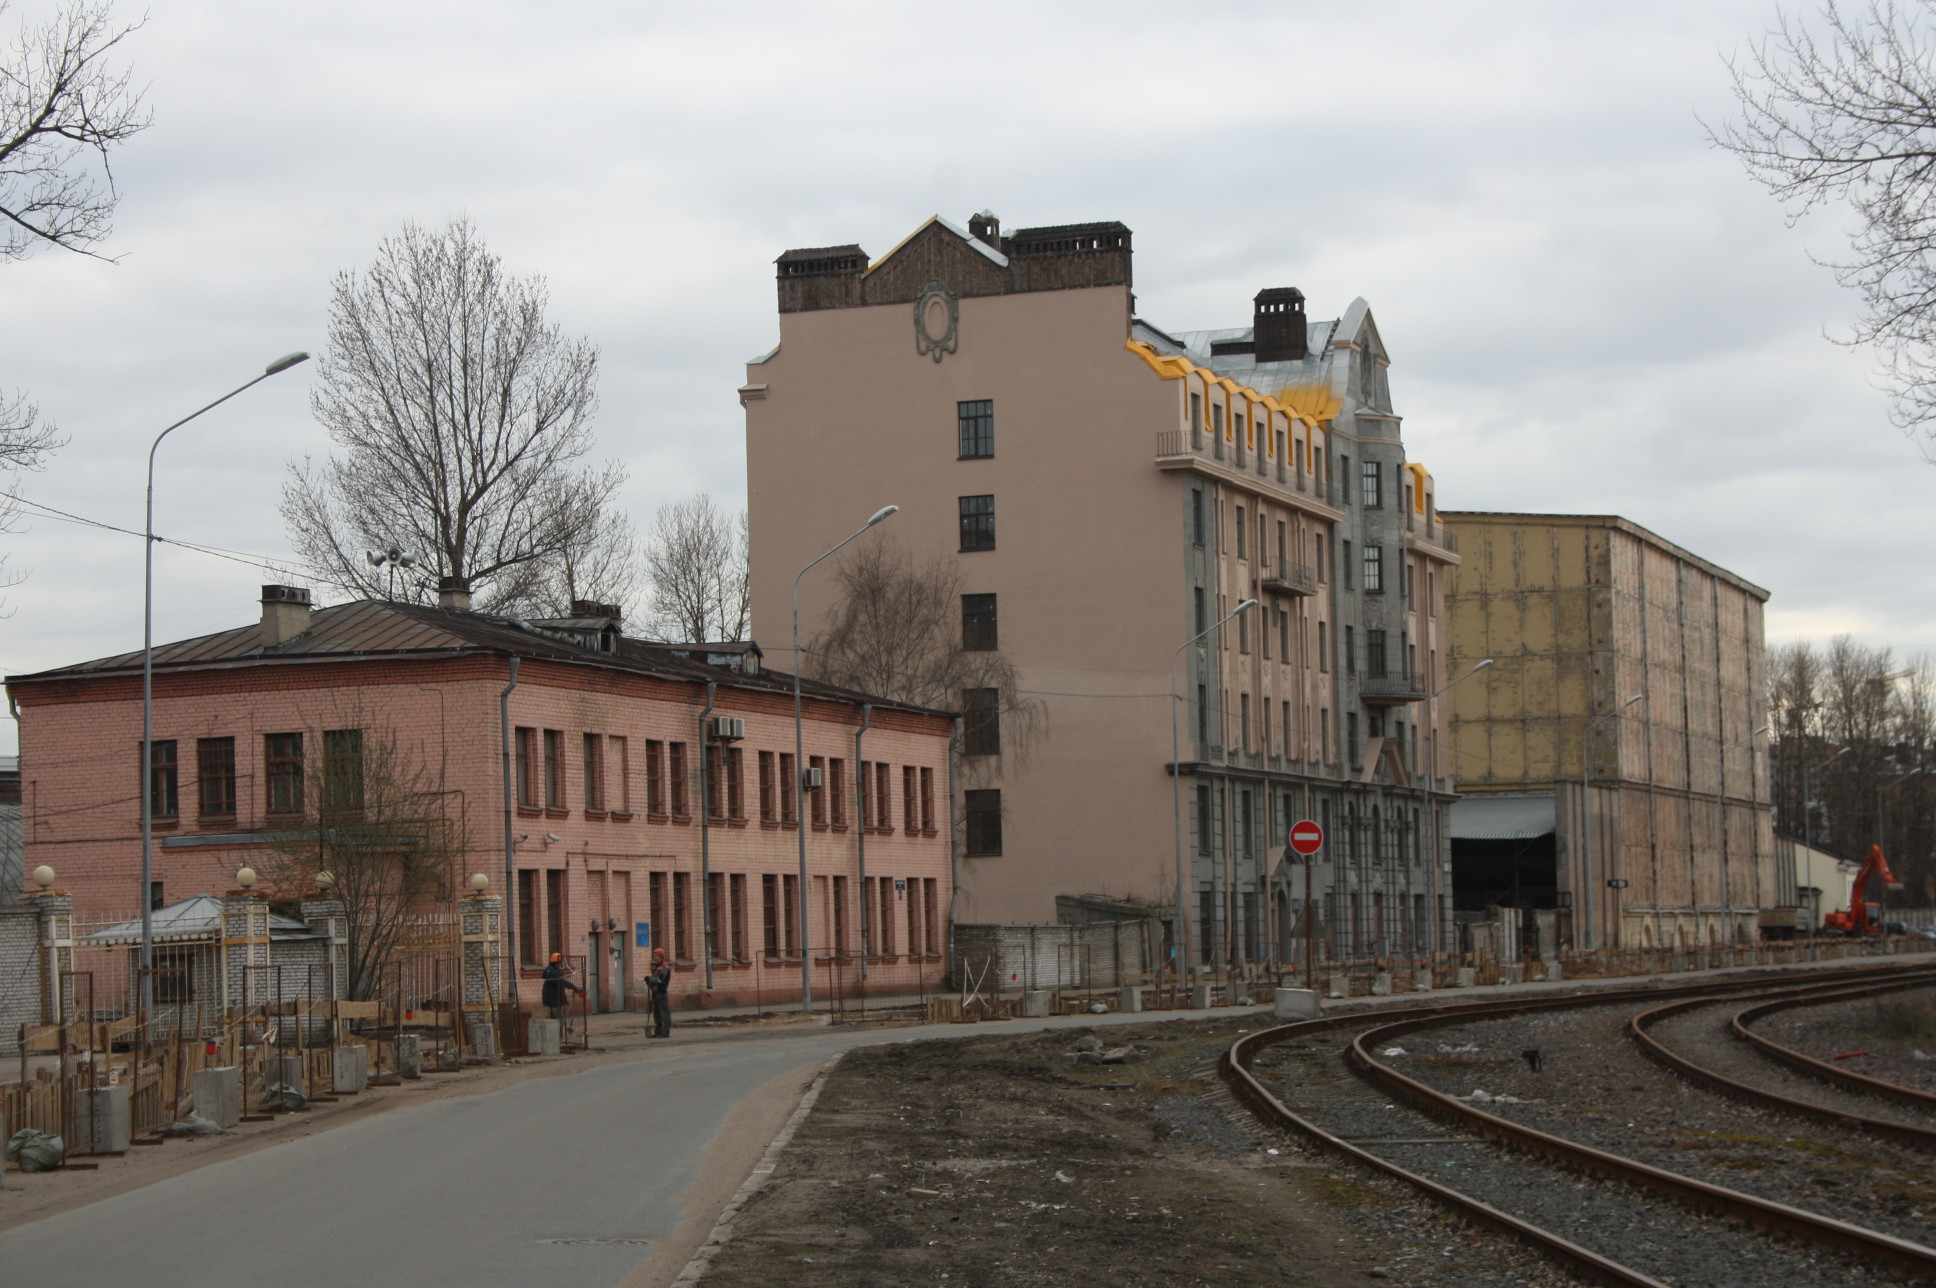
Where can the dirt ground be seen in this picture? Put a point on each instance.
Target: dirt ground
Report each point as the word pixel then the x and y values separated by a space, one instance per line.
pixel 1003 1161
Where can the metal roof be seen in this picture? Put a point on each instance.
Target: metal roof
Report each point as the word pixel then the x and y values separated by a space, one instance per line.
pixel 1501 818
pixel 190 921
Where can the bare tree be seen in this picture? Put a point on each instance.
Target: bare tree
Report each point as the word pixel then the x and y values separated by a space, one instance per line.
pixel 1844 110
pixel 695 558
pixel 460 415
pixel 601 564
pixel 896 632
pixel 63 107
pixel 25 442
pixel 379 835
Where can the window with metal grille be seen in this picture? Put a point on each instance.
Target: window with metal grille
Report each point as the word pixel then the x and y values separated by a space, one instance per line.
pixel 978 632
pixel 215 775
pixel 977 427
pixel 1374 486
pixel 978 522
pixel 1374 569
pixel 984 818
pixel 283 758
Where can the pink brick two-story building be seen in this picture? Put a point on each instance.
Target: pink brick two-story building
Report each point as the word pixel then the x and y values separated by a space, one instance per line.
pixel 650 786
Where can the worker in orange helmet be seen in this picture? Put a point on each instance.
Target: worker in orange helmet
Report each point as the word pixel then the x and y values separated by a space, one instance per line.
pixel 660 982
pixel 555 985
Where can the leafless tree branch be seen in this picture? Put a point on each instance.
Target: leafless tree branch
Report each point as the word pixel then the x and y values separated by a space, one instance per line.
pixel 695 559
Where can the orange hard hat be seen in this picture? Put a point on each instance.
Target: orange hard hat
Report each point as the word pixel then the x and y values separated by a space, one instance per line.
pixel 557 957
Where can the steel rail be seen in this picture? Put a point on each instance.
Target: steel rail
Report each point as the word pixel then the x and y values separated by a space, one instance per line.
pixel 1234 1068
pixel 1821 1068
pixel 1661 1054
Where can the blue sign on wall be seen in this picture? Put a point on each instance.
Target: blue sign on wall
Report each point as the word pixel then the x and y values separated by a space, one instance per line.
pixel 642 935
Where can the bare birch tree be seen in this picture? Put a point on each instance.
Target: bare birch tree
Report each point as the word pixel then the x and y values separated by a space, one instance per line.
pixel 896 632
pixel 460 416
pixel 695 560
pixel 1843 110
pixel 64 108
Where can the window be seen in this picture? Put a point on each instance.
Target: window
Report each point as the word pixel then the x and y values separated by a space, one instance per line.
pixel 1203 716
pixel 681 914
pixel 619 752
pixel 715 754
pixel 977 424
pixel 1351 736
pixel 175 975
pixel 736 892
pixel 984 811
pixel 1196 510
pixel 1324 633
pixel 1324 560
pixel 790 914
pixel 1283 635
pixel 840 916
pixel 868 811
pixel 1374 486
pixel 770 914
pixel 676 778
pixel 1375 653
pixel 735 783
pixel 525 741
pixel 978 522
pixel 343 770
pixel 1431 593
pixel 1350 652
pixel 884 796
pixel 283 756
pixel 661 925
pixel 1216 420
pixel 1374 568
pixel 716 946
pixel 931 901
pixel 554 768
pixel 1240 533
pixel 594 773
pixel 1205 828
pixel 215 772
pixel 1344 563
pixel 1243 720
pixel 1324 734
pixel 655 792
pixel 1196 417
pixel 1284 731
pixel 978 633
pixel 836 792
pixel 1203 621
pixel 1405 579
pixel 1344 484
pixel 817 805
pixel 555 910
pixel 911 802
pixel 163 800
pixel 927 801
pixel 884 917
pixel 1243 632
pixel 981 733
pixel 789 790
pixel 1280 546
pixel 528 916
pixel 769 802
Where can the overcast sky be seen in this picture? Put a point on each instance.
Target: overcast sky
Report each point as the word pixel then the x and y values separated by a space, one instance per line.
pixel 1588 309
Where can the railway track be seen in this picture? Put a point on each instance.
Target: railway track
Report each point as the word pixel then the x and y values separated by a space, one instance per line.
pixel 1657 1227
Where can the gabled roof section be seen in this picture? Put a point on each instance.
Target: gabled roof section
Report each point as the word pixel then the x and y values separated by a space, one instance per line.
pixel 975 243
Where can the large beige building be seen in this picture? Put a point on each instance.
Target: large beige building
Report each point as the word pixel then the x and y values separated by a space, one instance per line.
pixel 1108 491
pixel 1614 752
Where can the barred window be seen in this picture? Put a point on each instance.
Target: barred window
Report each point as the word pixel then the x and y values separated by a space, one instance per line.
pixel 1374 568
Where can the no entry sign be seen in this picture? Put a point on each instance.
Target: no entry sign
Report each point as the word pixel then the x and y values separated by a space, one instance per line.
pixel 1307 837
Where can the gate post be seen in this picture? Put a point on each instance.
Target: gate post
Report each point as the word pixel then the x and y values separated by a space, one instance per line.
pixel 331 916
pixel 56 911
pixel 482 916
pixel 245 940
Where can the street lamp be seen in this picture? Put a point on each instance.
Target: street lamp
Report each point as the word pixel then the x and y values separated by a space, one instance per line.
pixel 800 763
pixel 1586 816
pixel 1176 786
pixel 148 684
pixel 1432 814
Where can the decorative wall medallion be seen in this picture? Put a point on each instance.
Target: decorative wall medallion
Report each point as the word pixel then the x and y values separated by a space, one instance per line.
pixel 937 316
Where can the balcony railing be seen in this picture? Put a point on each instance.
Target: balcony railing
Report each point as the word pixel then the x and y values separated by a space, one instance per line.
pixel 1392 688
pixel 1291 579
pixel 1176 447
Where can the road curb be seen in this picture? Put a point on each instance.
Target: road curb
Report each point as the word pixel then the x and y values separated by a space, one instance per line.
pixel 722 1232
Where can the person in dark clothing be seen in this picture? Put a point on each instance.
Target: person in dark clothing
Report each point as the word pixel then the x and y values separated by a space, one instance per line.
pixel 660 982
pixel 555 985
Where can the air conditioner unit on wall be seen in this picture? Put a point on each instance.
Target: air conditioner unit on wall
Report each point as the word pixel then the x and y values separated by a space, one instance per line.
pixel 728 728
pixel 810 778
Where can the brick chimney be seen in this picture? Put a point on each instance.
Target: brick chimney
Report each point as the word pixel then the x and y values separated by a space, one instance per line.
pixel 1277 324
pixel 454 593
pixel 285 614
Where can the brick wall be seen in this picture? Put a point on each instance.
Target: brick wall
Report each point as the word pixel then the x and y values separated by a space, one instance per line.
pixel 19 974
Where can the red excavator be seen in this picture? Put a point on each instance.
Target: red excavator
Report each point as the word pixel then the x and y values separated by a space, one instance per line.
pixel 1863 917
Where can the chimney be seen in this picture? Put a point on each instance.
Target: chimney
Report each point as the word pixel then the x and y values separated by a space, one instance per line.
pixel 454 594
pixel 285 614
pixel 986 228
pixel 1277 324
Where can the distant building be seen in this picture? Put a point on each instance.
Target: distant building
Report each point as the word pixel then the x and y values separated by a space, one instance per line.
pixel 647 791
pixel 10 875
pixel 1628 823
pixel 1108 490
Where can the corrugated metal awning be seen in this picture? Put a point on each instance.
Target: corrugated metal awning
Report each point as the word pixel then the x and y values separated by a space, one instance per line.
pixel 1501 818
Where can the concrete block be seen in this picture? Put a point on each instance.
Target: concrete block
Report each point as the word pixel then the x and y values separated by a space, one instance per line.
pixel 218 1095
pixel 1468 977
pixel 409 1055
pixel 1512 973
pixel 286 1071
pixel 481 1033
pixel 1381 984
pixel 1200 997
pixel 1421 981
pixel 103 1121
pixel 546 1035
pixel 349 1069
pixel 1295 1004
pixel 1035 1003
pixel 1132 998
pixel 1340 986
pixel 1553 971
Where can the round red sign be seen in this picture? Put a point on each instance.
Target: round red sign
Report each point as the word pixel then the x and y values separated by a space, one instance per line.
pixel 1307 837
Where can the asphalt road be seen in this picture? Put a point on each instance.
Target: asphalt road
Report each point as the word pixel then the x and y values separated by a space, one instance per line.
pixel 563 1181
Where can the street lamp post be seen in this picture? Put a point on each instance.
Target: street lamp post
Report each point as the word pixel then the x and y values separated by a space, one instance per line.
pixel 146 999
pixel 1176 787
pixel 800 763
pixel 1424 798
pixel 1586 817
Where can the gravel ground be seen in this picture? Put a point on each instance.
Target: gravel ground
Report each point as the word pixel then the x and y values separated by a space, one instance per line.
pixel 1623 1222
pixel 1898 1030
pixel 1002 1161
pixel 1596 1087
